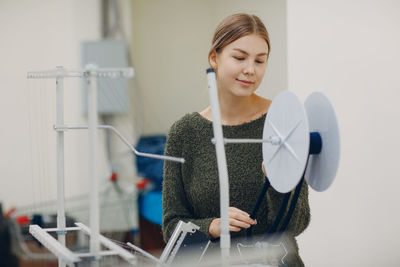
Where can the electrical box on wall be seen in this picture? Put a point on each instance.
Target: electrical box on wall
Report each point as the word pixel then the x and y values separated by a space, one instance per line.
pixel 113 94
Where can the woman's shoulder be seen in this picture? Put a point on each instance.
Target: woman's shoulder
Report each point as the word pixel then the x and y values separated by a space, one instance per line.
pixel 184 125
pixel 184 121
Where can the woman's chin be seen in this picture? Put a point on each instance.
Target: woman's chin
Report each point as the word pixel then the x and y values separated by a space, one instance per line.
pixel 243 93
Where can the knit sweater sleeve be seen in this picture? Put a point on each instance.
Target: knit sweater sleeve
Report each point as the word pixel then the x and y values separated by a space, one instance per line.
pixel 301 215
pixel 174 200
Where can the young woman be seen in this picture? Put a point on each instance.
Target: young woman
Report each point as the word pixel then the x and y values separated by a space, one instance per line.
pixel 239 54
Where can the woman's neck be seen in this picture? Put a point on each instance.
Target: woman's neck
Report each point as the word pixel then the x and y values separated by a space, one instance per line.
pixel 238 110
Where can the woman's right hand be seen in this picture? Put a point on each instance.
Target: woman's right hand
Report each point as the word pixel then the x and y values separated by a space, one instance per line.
pixel 238 219
pixel 263 169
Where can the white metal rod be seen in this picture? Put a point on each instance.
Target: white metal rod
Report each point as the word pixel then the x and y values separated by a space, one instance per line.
pixel 222 166
pixel 129 257
pixel 171 242
pixel 109 72
pixel 61 223
pixel 67 229
pixel 94 185
pixel 50 74
pixel 181 160
pixel 101 253
pixel 26 251
pixel 53 245
pixel 274 140
pixel 176 248
pixel 244 141
pixel 148 255
pixel 125 141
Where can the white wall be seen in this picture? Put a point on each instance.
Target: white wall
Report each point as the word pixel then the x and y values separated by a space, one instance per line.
pixel 39 35
pixel 170 44
pixel 350 51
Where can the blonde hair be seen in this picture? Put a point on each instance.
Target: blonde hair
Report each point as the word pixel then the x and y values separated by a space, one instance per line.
pixel 236 26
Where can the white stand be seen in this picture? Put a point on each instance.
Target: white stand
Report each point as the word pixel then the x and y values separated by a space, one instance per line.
pixel 64 255
pixel 222 166
pixel 61 223
pixel 94 244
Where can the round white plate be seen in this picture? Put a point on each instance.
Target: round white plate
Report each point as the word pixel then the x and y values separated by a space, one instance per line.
pixel 322 168
pixel 285 162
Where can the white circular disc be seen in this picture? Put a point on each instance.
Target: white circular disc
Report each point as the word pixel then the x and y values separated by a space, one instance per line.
pixel 322 168
pixel 285 162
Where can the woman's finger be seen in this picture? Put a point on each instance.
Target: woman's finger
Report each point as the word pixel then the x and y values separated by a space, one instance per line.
pixel 245 219
pixel 237 223
pixel 234 229
pixel 240 215
pixel 239 211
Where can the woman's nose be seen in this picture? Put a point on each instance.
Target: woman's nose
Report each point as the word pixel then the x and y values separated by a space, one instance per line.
pixel 249 68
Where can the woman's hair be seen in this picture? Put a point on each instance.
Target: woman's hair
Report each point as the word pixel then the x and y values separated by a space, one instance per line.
pixel 236 26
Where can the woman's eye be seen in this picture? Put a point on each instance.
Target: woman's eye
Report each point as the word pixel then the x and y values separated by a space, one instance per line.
pixel 239 58
pixel 260 61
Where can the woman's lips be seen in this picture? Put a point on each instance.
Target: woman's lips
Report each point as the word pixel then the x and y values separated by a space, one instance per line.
pixel 245 82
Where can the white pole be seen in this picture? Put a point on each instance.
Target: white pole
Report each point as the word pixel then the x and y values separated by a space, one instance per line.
pixel 222 166
pixel 61 224
pixel 94 187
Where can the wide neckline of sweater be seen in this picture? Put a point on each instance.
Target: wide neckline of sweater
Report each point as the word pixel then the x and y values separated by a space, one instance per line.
pixel 245 124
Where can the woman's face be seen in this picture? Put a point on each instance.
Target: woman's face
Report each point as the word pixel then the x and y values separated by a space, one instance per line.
pixel 240 66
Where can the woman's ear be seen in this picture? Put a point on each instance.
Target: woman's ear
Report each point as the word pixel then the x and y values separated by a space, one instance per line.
pixel 212 59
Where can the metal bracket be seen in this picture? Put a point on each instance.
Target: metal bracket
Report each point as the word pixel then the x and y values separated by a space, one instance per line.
pixel 173 244
pixel 69 257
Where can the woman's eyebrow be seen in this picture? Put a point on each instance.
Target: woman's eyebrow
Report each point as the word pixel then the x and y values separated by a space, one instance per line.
pixel 244 52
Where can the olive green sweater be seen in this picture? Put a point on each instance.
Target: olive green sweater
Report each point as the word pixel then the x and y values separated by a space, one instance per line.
pixel 191 190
